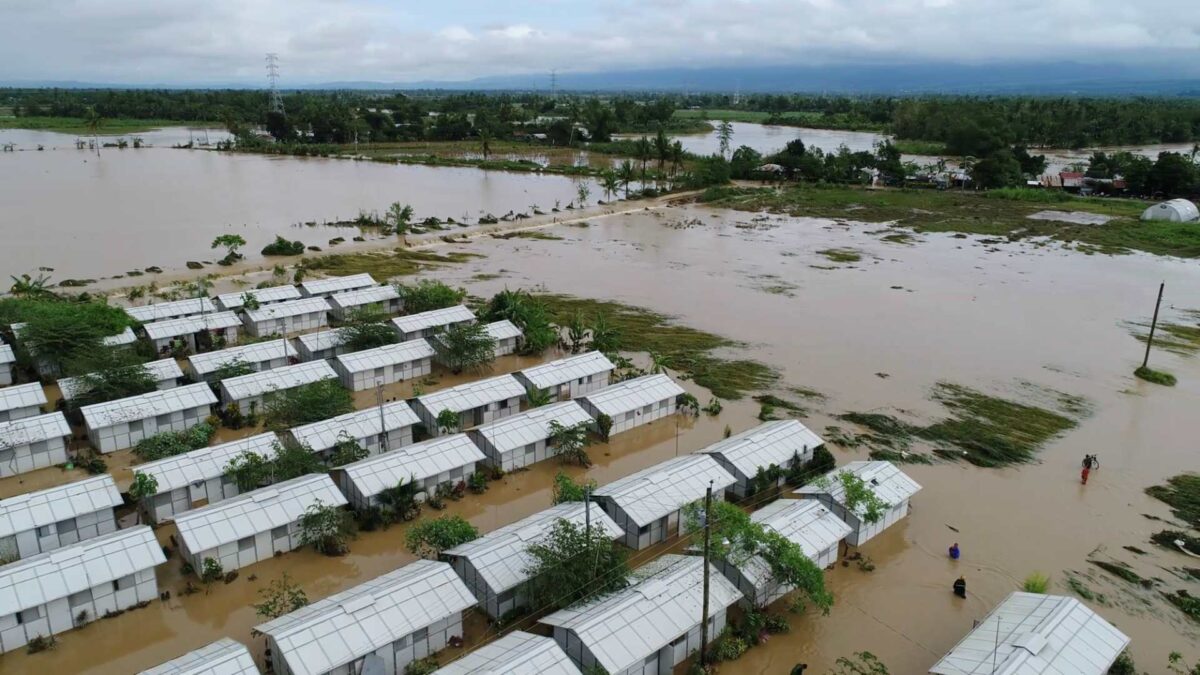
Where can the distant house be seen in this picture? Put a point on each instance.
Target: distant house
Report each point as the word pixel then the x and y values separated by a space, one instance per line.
pixel 41 521
pixel 362 370
pixel 571 377
pixel 495 565
pixel 223 657
pixel 259 356
pixel 888 483
pixel 776 443
pixel 523 439
pixel 649 627
pixel 324 344
pixel 54 592
pixel 165 373
pixel 1072 181
pixel 323 288
pixel 428 463
pixel 171 310
pixel 249 393
pixel 287 318
pixel 426 324
pixel 506 335
pixel 122 423
pixel 384 299
pixel 1036 634
pixel 23 400
pixel 33 443
pixel 8 362
pixel 517 652
pixel 648 504
pixel 1173 210
pixel 252 526
pixel 365 427
pixel 475 403
pixel 389 621
pixel 198 478
pixel 230 302
pixel 201 332
pixel 632 403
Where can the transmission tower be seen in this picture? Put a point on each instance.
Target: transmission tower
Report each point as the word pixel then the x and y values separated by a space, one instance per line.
pixel 554 84
pixel 276 102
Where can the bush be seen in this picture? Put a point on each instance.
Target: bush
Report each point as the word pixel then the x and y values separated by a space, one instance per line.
pixel 423 666
pixel 211 571
pixel 430 537
pixel 307 404
pixel 171 443
pixel 1036 583
pixel 40 644
pixel 429 294
pixel 282 246
pixel 326 528
pixel 1155 376
pixel 728 647
pixel 478 482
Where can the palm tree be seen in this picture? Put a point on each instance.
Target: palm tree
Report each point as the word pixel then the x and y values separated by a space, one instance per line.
pixel 676 157
pixel 662 148
pixel 92 122
pixel 643 149
pixel 605 337
pixel 30 287
pixel 485 142
pixel 610 182
pixel 724 136
pixel 626 174
pixel 658 363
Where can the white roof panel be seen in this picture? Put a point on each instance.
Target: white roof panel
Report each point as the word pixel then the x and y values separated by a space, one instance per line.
pixel 286 377
pixel 804 522
pixel 322 339
pixel 223 657
pixel 34 509
pixel 387 355
pixel 169 328
pixel 280 310
pixel 100 415
pixel 363 296
pixel 22 396
pixel 264 296
pixel 6 354
pixel 418 461
pixel 433 318
pixel 253 354
pixel 343 627
pixel 472 394
pixel 358 424
pixel 180 471
pixel 1036 634
pixel 566 370
pixel 162 370
pixel 627 395
pixel 33 429
pixel 37 580
pixel 503 330
pixel 167 310
pixel 501 556
pixel 666 487
pixel 664 601
pixel 336 284
pixel 125 337
pixel 775 442
pixel 517 431
pixel 249 513
pixel 518 653
pixel 883 478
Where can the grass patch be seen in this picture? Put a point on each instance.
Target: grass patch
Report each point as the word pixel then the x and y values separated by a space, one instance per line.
pixel 1177 338
pixel 383 264
pixel 529 234
pixel 1155 376
pixel 1167 539
pixel 899 456
pixel 486 277
pixel 1083 590
pixel 685 349
pixel 1036 582
pixel 1182 494
pixel 841 255
pixel 108 127
pixel 898 238
pixel 1186 603
pixel 777 402
pixel 1123 572
pixel 915 147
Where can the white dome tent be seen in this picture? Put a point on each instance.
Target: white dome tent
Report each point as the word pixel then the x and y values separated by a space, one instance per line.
pixel 1174 210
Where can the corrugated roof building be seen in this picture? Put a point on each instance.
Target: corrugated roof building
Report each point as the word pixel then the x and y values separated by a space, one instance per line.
pixel 523 439
pixel 571 377
pixel 223 657
pixel 171 310
pixel 263 296
pixel 199 333
pixel 515 653
pixel 165 372
pixel 323 344
pixel 779 443
pixel 381 298
pixel 248 392
pixel 198 478
pixel 287 318
pixel 426 324
pixel 506 335
pixel 122 423
pixel 259 356
pixel 23 400
pixel 635 402
pixel 475 403
pixel 888 483
pixel 8 361
pixel 367 427
pixel 41 521
pixel 33 443
pixel 388 364
pixel 438 460
pixel 323 288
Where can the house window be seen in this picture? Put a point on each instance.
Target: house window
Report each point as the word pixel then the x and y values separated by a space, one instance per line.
pixel 124 583
pixel 662 405
pixel 629 416
pixel 279 532
pixel 402 643
pixel 6 456
pixel 644 529
pixel 35 448
pixel 246 545
pixel 456 474
pixel 45 531
pixel 135 426
pixel 378 373
pixel 80 598
pixel 503 404
pixel 191 414
pixel 28 615
pixel 163 420
pixel 646 410
pixel 66 526
pixel 420 634
pixel 530 450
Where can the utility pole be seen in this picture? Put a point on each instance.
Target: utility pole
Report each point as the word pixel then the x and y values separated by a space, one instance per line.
pixel 1153 324
pixel 383 434
pixel 704 605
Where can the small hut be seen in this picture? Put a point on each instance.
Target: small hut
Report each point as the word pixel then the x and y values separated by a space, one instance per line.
pixel 21 401
pixel 516 652
pixel 258 356
pixel 250 392
pixel 524 439
pixel 506 336
pixel 198 333
pixel 171 310
pixel 287 318
pixel 571 377
pixel 384 299
pixel 426 324
pixel 1173 210
pixel 449 459
pixel 323 288
pixel 323 344
pixel 33 443
pixel 8 361
pixel 223 657
pixel 114 425
pixel 377 430
pixel 632 403
pixel 475 403
pixel 165 373
pixel 890 484
pixel 388 364
pixel 231 302
pixel 778 443
pixel 41 521
pixel 198 478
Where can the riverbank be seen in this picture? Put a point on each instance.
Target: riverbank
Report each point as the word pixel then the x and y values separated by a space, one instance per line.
pixel 108 127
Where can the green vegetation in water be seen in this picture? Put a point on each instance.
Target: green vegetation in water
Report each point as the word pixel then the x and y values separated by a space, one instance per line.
pixel 1155 376
pixel 1186 603
pixel 914 147
pixel 486 277
pixel 528 234
pixel 1036 582
pixel 1123 571
pixel 384 264
pixel 841 255
pixel 1084 591
pixel 899 456
pixel 1177 338
pixel 898 238
pixel 777 402
pixel 683 349
pixel 1182 494
pixel 108 126
pixel 1167 539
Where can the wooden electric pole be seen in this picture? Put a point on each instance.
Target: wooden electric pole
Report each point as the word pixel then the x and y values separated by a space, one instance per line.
pixel 1153 324
pixel 704 604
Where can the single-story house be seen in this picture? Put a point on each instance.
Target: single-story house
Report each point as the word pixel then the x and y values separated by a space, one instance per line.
pixel 635 402
pixel 495 565
pixel 286 318
pixel 165 372
pixel 652 625
pixel 250 392
pixel 198 478
pixel 114 425
pixel 200 333
pixel 8 362
pixel 506 335
pixel 571 377
pixel 56 591
pixel 516 652
pixel 523 439
pixel 429 463
pixel 231 302
pixel 805 523
pixel 888 483
pixel 323 344
pixel 475 403
pixel 161 311
pixel 1036 634
pixel 252 526
pixel 388 364
pixel 47 368
pixel 382 298
pixel 41 521
pixel 33 443
pixel 427 324
pixel 366 427
pixel 23 400
pixel 259 356
pixel 1173 210
pixel 648 504
pixel 391 620
pixel 778 443
pixel 323 288
pixel 223 657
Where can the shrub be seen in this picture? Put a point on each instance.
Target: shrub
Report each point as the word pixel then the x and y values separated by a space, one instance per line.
pixel 1036 583
pixel 424 666
pixel 478 482
pixel 568 490
pixel 728 647
pixel 211 571
pixel 430 537
pixel 326 528
pixel 464 346
pixel 171 443
pixel 307 404
pixel 282 246
pixel 41 643
pixel 429 294
pixel 604 426
pixel 571 564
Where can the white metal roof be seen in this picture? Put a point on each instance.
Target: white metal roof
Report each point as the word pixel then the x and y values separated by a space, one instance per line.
pixel 775 442
pixel 280 310
pixel 23 396
pixel 666 487
pixel 358 424
pixel 263 295
pixel 285 377
pixel 167 310
pixel 412 462
pixel 1035 634
pixel 125 337
pixel 518 653
pixel 664 602
pixel 503 330
pixel 161 370
pixel 804 522
pixel 329 633
pixel 33 429
pixel 883 478
pixel 183 470
pixel 252 512
pixel 566 370
pixel 336 284
pixel 6 354
pixel 501 556
pixel 472 394
pixel 517 431
pixel 622 397
pixel 433 318
pixel 322 339
pixel 39 579
pixel 100 415
pixel 34 509
pixel 387 355
pixel 223 657
pixel 169 328
pixel 253 353
pixel 363 296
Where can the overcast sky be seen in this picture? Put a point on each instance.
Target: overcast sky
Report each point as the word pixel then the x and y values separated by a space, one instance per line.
pixel 223 41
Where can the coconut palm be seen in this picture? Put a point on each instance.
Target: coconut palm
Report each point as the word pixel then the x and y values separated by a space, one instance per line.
pixel 676 157
pixel 662 148
pixel 643 150
pixel 610 182
pixel 625 173
pixel 485 143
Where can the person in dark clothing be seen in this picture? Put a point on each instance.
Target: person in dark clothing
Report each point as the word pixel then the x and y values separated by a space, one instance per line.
pixel 799 669
pixel 954 552
pixel 960 587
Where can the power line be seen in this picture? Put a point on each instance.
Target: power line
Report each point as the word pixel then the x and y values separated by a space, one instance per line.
pixel 276 101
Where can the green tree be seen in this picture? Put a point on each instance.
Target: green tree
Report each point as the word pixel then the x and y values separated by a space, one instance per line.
pixel 429 294
pixel 724 137
pixel 429 538
pixel 677 155
pixel 485 143
pixel 463 346
pixel 662 148
pixel 399 217
pixel 234 368
pixel 144 487
pixel 399 502
pixel 643 151
pixel 567 489
pixel 526 313
pixel 577 331
pixel 367 328
pixel 572 564
pixel 857 495
pixel 307 404
pixel 610 183
pixel 281 596
pixel 249 471
pixel 120 377
pixel 999 169
pixel 448 421
pixel 327 528
pixel 292 460
pixel 583 191
pixel 347 451
pixel 537 397
pixel 570 442
pixel 64 336
pixel 626 173
pixel 211 571
pixel 92 121
pixel 605 336
pixel 231 243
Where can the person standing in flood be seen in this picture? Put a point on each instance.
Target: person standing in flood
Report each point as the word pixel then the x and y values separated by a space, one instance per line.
pixel 960 587
pixel 1083 475
pixel 954 552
